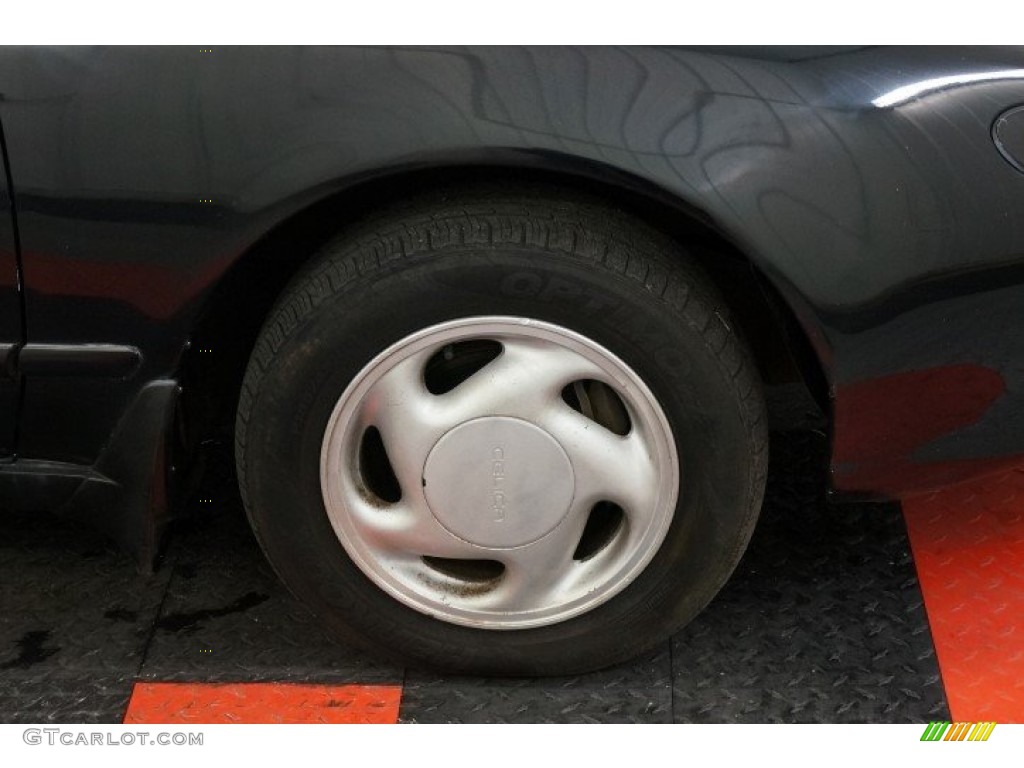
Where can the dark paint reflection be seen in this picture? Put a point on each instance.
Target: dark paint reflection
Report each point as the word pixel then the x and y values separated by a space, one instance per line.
pixel 866 187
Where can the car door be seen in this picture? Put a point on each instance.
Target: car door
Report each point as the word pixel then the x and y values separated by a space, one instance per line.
pixel 10 316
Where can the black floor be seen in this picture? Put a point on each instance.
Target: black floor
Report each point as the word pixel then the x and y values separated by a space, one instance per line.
pixel 823 622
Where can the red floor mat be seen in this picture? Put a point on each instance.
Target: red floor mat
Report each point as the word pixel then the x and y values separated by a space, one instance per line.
pixel 968 545
pixel 262 703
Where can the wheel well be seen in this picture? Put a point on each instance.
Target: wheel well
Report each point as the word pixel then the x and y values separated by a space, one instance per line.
pixel 220 345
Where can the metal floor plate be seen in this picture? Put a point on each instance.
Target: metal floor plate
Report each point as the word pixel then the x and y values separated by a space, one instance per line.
pixel 75 622
pixel 969 547
pixel 822 622
pixel 226 618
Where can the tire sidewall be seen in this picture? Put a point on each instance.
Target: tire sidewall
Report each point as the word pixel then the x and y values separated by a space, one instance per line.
pixel 666 347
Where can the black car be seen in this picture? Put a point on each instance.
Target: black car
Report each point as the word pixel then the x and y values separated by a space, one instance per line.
pixel 498 333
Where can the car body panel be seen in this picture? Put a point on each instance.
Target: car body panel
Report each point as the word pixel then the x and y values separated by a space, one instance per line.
pixel 10 317
pixel 863 183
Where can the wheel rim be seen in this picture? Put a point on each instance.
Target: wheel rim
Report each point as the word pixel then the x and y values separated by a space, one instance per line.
pixel 530 485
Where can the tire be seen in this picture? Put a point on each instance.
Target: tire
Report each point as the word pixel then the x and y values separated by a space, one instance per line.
pixel 502 431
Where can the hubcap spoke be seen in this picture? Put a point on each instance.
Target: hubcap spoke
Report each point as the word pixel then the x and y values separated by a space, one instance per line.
pixel 607 466
pixel 542 572
pixel 399 405
pixel 520 382
pixel 405 531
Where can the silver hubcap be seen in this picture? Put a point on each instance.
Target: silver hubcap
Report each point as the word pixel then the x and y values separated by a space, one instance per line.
pixel 499 472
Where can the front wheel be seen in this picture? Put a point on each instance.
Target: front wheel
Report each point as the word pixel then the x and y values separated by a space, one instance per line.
pixel 502 433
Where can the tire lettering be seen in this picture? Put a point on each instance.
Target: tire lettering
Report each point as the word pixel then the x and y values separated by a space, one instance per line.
pixel 555 289
pixel 522 284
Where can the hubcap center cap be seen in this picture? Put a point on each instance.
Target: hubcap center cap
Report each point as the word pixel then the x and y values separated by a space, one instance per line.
pixel 498 482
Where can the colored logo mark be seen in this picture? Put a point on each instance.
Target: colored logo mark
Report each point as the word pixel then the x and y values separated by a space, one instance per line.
pixel 958 731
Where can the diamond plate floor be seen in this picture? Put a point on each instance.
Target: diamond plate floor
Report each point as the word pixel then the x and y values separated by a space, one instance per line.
pixel 969 546
pixel 263 703
pixel 226 618
pixel 75 620
pixel 639 692
pixel 823 622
